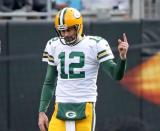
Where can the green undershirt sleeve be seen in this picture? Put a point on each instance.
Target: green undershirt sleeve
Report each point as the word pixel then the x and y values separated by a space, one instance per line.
pixel 48 88
pixel 115 70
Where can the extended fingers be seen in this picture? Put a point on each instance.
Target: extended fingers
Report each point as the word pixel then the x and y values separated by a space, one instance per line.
pixel 124 37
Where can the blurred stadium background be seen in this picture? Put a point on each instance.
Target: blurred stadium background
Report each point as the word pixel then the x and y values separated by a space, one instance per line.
pixel 23 36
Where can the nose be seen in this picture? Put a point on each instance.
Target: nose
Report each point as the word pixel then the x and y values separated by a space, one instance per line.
pixel 66 33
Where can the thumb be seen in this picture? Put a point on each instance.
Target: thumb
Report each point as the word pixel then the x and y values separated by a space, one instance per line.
pixel 119 41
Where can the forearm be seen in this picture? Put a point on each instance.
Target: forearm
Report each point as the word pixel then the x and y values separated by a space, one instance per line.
pixel 116 70
pixel 48 88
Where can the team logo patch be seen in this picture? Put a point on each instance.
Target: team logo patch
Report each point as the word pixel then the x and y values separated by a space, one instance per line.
pixel 71 114
pixel 77 14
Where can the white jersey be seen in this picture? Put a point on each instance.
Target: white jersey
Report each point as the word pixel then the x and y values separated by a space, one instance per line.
pixel 77 67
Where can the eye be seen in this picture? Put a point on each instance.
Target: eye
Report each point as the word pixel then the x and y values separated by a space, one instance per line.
pixel 69 29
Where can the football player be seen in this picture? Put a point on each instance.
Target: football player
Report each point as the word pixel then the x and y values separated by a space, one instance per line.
pixel 73 63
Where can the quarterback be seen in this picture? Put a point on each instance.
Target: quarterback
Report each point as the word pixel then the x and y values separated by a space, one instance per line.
pixel 73 62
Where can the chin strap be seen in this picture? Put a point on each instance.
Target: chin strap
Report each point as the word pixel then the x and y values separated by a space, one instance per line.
pixel 78 40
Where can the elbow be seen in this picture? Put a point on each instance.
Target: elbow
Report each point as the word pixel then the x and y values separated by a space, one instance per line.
pixel 119 75
pixel 118 78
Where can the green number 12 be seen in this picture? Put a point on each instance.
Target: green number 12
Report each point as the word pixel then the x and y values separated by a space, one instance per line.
pixel 72 66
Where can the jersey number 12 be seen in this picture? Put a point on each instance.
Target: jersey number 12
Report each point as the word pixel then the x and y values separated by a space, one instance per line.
pixel 72 66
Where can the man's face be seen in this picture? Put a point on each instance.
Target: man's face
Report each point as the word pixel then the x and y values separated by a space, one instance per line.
pixel 69 35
